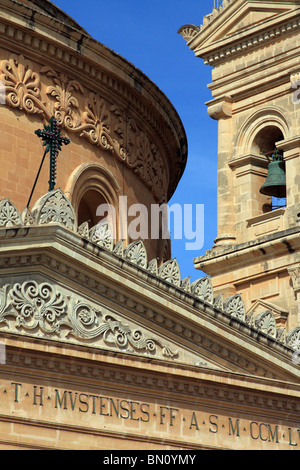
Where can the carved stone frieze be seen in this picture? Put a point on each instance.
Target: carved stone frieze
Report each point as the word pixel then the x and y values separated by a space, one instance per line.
pixel 42 309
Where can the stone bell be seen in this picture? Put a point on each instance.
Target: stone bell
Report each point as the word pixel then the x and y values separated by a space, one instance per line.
pixel 275 184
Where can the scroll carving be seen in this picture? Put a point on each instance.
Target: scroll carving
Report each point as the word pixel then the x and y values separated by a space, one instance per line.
pixel 41 308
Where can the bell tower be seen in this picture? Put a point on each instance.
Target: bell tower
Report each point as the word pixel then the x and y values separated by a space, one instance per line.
pixel 253 48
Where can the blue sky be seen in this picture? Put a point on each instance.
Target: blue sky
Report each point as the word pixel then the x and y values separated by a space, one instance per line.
pixel 145 33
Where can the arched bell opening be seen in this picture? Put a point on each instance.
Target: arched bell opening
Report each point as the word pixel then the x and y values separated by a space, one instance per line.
pixel 273 189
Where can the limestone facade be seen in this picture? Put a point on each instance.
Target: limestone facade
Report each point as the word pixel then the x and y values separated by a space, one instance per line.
pixel 103 345
pixel 253 48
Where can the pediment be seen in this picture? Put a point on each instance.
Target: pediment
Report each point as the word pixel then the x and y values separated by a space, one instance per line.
pixel 233 19
pixel 249 16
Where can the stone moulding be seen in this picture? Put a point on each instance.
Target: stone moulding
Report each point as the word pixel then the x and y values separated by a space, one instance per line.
pixel 54 208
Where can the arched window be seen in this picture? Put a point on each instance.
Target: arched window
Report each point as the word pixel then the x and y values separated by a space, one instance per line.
pixel 254 147
pixel 89 187
pixel 88 205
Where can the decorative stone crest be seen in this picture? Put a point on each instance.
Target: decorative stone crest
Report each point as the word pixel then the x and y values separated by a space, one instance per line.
pixel 170 272
pixel 9 216
pixel 54 207
pixel 235 307
pixel 293 339
pixel 203 289
pixel 137 254
pixel 266 322
pixel 102 235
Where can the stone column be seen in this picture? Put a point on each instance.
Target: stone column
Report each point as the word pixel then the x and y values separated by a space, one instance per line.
pixel 221 110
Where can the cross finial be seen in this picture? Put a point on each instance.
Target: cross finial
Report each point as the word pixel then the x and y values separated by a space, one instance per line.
pixel 53 142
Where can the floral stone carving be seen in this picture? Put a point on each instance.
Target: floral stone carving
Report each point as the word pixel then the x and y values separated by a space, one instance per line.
pixel 22 85
pixel 266 323
pixel 170 272
pixel 203 289
pixel 137 254
pixel 9 216
pixel 235 307
pixel 41 308
pixel 293 339
pixel 102 235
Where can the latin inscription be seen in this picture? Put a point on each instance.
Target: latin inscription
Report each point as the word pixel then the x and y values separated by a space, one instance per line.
pixel 105 411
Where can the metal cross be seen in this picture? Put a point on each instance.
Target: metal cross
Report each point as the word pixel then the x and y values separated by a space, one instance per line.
pixel 53 141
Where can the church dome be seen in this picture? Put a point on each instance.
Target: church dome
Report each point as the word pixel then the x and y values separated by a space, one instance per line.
pixel 126 137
